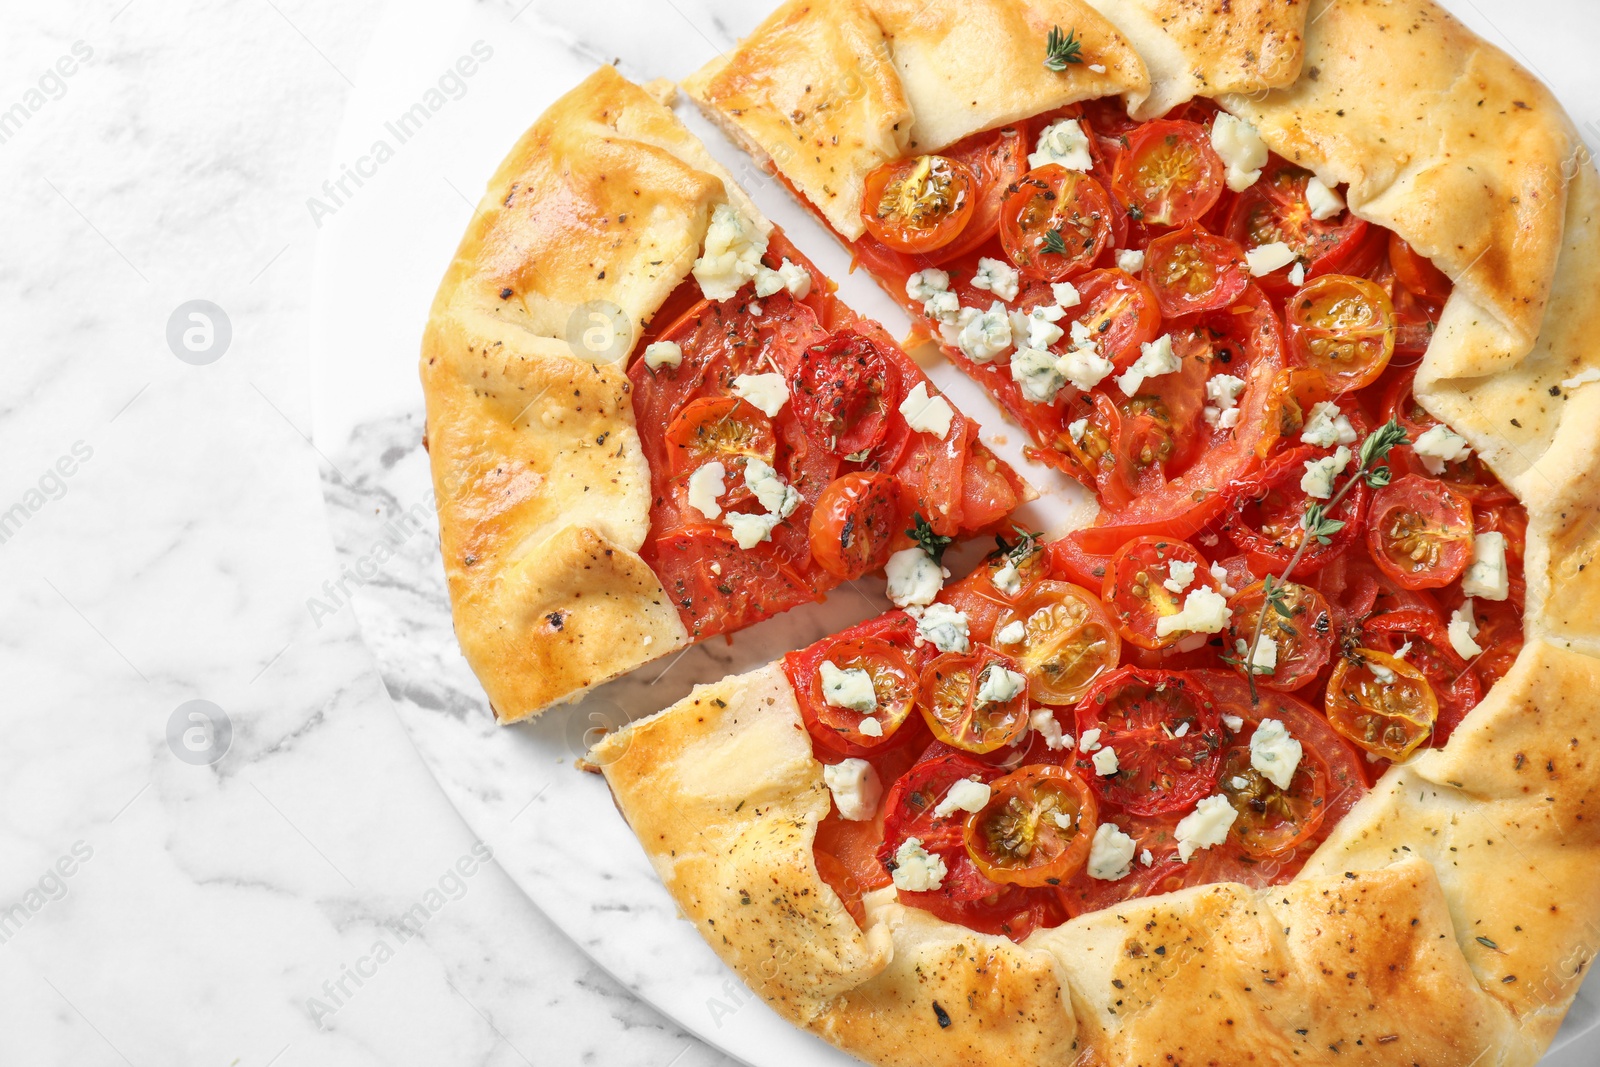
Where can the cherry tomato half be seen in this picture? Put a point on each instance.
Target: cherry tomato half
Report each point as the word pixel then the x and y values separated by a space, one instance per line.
pixel 1383 704
pixel 1169 174
pixel 1036 829
pixel 1422 635
pixel 1417 273
pixel 894 683
pixel 721 428
pixel 1343 327
pixel 1137 592
pixel 1420 532
pixel 1272 820
pixel 1266 517
pixel 843 393
pixel 1119 311
pixel 1163 726
pixel 854 523
pixel 1274 210
pixel 1301 627
pixel 1191 270
pixel 955 711
pixel 998 159
pixel 1056 223
pixel 918 204
pixel 1068 641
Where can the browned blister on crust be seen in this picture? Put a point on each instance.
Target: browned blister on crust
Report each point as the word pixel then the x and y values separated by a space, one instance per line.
pixel 1208 47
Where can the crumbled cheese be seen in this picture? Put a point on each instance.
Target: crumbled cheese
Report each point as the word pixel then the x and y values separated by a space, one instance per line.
pixel 997 276
pixel 1317 482
pixel 964 795
pixel 768 282
pixel 1205 611
pixel 1085 367
pixel 1383 674
pixel 855 787
pixel 1065 143
pixel 1011 633
pixel 732 254
pixel 1090 741
pixel 1234 723
pixel 944 627
pixel 1000 684
pixel 1487 576
pixel 766 391
pixel 1327 426
pixel 1111 854
pixel 1268 258
pixel 1076 430
pixel 1041 325
pixel 1043 721
pixel 771 491
pixel 984 334
pixel 943 308
pixel 1130 260
pixel 1039 375
pixel 1220 573
pixel 1297 274
pixel 922 285
pixel 870 726
pixel 1155 359
pixel 1464 630
pixel 1274 753
pixel 1323 201
pixel 1241 148
pixel 1265 658
pixel 1204 827
pixel 1146 859
pixel 850 688
pixel 1007 579
pixel 914 578
pixel 1105 762
pixel 706 487
pixel 663 354
pixel 915 870
pixel 1437 444
pixel 750 530
pixel 1183 728
pixel 1067 296
pixel 1181 575
pixel 1223 391
pixel 796 279
pixel 1581 379
pixel 927 414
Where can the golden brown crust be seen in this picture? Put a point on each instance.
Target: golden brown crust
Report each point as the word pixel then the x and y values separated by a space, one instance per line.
pixel 1448 142
pixel 591 221
pixel 1208 47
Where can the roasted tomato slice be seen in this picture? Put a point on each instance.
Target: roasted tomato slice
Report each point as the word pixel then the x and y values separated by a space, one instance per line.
pixel 1501 637
pixel 969 701
pixel 843 393
pixel 1163 727
pixel 894 684
pixel 1056 223
pixel 1420 638
pixel 1299 624
pixel 1192 270
pixel 1169 174
pixel 998 159
pixel 1149 580
pixel 1417 273
pixel 919 204
pixel 719 587
pixel 1272 820
pixel 1119 311
pixel 1266 513
pixel 1420 532
pixel 1067 640
pixel 1343 327
pixel 854 523
pixel 1275 210
pixel 1295 391
pixel 1383 704
pixel 721 428
pixel 1036 829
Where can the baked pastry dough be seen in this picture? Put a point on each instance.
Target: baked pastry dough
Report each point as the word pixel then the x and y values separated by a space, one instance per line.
pixel 1450 916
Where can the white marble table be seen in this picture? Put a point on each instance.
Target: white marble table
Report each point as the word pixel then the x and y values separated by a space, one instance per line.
pixel 292 889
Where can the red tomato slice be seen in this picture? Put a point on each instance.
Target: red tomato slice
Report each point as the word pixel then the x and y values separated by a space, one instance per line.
pixel 1420 532
pixel 890 643
pixel 1036 829
pixel 1343 327
pixel 1274 209
pixel 920 203
pixel 955 710
pixel 854 524
pixel 1169 174
pixel 1381 703
pixel 1137 593
pixel 1191 271
pixel 1056 223
pixel 1417 273
pixel 719 587
pixel 998 159
pixel 1426 643
pixel 1303 631
pixel 843 393
pixel 1264 518
pixel 1163 726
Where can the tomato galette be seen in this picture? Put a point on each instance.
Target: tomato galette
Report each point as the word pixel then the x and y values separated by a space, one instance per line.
pixel 650 419
pixel 1290 755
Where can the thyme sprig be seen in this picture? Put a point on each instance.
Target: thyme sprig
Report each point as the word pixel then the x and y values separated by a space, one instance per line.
pixel 932 543
pixel 1062 50
pixel 1054 243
